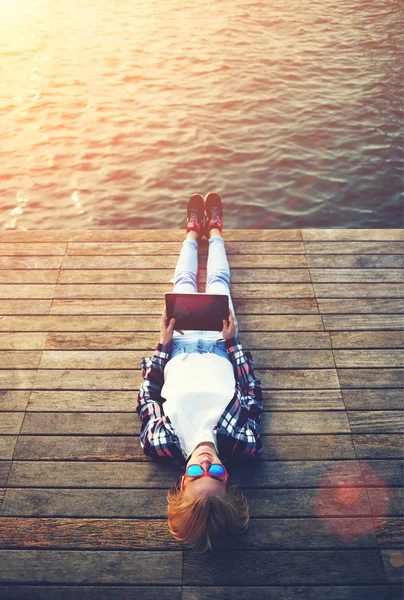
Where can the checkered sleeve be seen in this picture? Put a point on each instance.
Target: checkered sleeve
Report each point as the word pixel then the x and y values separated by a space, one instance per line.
pixel 246 431
pixel 157 435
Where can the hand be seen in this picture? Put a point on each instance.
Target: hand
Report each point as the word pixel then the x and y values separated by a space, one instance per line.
pixel 166 331
pixel 229 328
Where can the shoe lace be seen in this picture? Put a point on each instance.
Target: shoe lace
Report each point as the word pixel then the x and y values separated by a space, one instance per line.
pixel 194 213
pixel 215 213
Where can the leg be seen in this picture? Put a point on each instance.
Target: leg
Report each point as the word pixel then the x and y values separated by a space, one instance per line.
pixel 186 270
pixel 218 270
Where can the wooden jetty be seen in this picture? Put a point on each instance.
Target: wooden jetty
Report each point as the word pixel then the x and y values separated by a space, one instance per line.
pixel 83 511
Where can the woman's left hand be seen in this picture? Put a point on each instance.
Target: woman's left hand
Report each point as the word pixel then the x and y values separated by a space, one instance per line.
pixel 166 331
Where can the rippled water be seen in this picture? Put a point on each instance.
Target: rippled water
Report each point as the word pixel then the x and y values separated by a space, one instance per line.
pixel 113 113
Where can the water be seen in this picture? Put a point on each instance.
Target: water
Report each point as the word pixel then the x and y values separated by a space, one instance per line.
pixel 113 113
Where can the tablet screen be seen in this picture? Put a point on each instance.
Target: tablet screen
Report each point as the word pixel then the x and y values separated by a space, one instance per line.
pixel 197 311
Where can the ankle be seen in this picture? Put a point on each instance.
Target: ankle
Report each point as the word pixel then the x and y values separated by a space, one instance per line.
pixel 193 234
pixel 215 231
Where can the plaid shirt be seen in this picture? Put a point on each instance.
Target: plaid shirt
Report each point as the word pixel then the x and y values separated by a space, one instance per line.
pixel 237 431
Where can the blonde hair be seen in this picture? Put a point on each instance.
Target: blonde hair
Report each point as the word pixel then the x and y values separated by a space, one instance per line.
pixel 202 523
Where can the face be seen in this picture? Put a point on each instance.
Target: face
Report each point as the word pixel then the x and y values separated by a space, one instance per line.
pixel 204 455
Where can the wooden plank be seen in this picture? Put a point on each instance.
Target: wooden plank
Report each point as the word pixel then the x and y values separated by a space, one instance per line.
pixel 119 448
pixel 354 247
pixel 367 322
pixel 376 421
pixel 10 422
pixel 159 248
pixel 111 323
pixel 127 276
pixel 30 262
pixel 96 592
pixel 355 261
pixel 17 379
pixel 367 339
pixel 287 568
pixel 20 359
pixel 11 400
pixel 382 473
pixel 29 249
pixel 28 276
pixel 118 359
pixel 27 291
pixel 169 261
pixel 371 378
pixel 81 566
pixel 153 503
pixel 369 358
pixel 147 235
pixel 22 341
pixel 25 307
pixel 356 290
pixel 270 474
pixel 378 445
pixel 346 235
pixel 382 399
pixel 5 467
pixel 132 534
pixel 65 533
pixel 305 400
pixel 386 501
pixel 7 445
pixel 154 306
pixel 393 565
pixel 389 531
pixel 156 290
pixel 363 592
pixel 129 380
pixel 366 305
pixel 147 342
pixel 356 275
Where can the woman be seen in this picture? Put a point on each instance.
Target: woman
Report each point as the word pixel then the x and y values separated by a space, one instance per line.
pixel 200 403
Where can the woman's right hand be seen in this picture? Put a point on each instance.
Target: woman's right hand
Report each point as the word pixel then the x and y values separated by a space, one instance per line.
pixel 229 328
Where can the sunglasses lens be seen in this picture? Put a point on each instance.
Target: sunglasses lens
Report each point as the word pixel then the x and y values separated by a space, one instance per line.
pixel 194 470
pixel 217 470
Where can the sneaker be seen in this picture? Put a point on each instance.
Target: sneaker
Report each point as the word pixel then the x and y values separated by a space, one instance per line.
pixel 213 212
pixel 195 213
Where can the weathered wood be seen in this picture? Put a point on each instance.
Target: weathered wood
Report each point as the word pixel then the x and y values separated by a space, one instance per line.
pixel 376 421
pixel 377 445
pixel 5 467
pixel 366 305
pixel 10 422
pixel 382 473
pixel 29 249
pixel 109 592
pixel 346 235
pixel 164 276
pixel 160 248
pixel 27 291
pixel 81 566
pixel 358 290
pixel 105 323
pixel 341 247
pixel 369 358
pixel 119 379
pixel 386 501
pixel 371 378
pixel 30 262
pixel 117 359
pixel 110 448
pixel 355 261
pixel 287 568
pixel 17 378
pixel 28 276
pixel 148 341
pixel 271 474
pixel 356 275
pixel 147 235
pixel 20 359
pixel 367 322
pixel 14 400
pixel 393 565
pixel 22 341
pixel 364 399
pixel 367 339
pixel 389 531
pixel 150 306
pixel 169 261
pixel 132 534
pixel 25 307
pixel 7 445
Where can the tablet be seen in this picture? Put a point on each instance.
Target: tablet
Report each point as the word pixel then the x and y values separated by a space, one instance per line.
pixel 197 310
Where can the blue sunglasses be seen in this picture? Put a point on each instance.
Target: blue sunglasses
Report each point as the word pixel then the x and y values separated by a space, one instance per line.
pixel 195 471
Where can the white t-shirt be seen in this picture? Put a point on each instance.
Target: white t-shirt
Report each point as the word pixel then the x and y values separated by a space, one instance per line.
pixel 197 388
